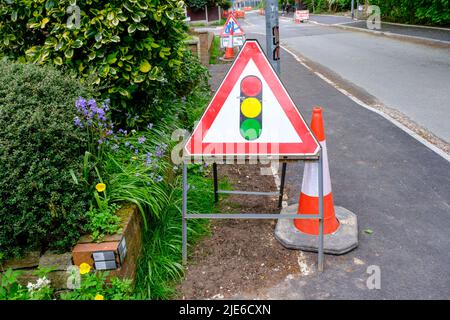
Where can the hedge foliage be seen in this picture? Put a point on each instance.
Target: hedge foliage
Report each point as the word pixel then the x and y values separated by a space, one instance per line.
pixel 435 12
pixel 429 12
pixel 40 206
pixel 131 50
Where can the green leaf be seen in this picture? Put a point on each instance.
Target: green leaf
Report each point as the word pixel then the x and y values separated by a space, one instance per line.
pixel 145 66
pixel 68 54
pixel 77 44
pixel 58 61
pixel 138 79
pixel 115 39
pixel 14 16
pixel 142 27
pixel 136 18
pixel 104 71
pixel 368 231
pixel 44 22
pixel 124 92
pixel 131 28
pixel 111 58
pixel 98 37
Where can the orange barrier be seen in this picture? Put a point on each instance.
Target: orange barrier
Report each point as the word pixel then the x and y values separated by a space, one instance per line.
pixel 247 8
pixel 309 197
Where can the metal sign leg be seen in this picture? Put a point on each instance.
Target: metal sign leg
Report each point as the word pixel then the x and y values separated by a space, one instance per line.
pixel 184 212
pixel 320 253
pixel 283 176
pixel 216 184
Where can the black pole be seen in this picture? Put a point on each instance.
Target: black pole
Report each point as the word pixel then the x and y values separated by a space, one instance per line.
pixel 283 176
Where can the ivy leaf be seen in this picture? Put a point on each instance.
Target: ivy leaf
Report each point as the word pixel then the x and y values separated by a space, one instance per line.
pixel 145 66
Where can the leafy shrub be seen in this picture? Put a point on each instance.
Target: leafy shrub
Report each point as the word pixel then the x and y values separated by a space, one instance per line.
pixel 10 289
pixel 40 205
pixel 131 50
pixel 415 11
pixel 95 285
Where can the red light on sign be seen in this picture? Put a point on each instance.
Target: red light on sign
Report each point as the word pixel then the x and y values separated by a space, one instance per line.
pixel 251 86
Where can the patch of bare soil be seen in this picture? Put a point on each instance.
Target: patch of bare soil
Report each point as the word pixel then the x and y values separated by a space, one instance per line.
pixel 241 257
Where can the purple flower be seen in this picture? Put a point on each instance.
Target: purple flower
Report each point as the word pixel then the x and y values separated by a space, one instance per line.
pixel 109 132
pixel 158 179
pixel 101 140
pixel 141 140
pixel 148 160
pixel 92 104
pixel 160 149
pixel 80 104
pixel 150 126
pixel 136 150
pixel 77 122
pixel 127 143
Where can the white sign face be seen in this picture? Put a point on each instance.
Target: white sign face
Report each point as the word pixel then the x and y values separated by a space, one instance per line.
pixel 237 41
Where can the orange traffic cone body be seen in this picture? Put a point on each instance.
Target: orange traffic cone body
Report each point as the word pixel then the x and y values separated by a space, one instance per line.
pixel 309 196
pixel 229 53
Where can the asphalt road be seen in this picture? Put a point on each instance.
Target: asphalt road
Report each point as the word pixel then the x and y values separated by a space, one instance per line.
pixel 396 186
pixel 411 78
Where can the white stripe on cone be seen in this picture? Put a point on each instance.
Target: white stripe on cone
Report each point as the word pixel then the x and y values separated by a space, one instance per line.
pixel 310 181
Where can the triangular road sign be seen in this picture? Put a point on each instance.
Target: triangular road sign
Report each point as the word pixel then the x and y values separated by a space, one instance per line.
pixel 232 24
pixel 251 114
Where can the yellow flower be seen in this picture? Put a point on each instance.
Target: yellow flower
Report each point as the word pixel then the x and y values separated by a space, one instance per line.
pixel 99 297
pixel 100 187
pixel 84 268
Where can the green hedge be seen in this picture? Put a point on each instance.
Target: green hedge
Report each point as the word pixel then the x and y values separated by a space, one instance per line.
pixel 433 12
pixel 40 206
pixel 132 50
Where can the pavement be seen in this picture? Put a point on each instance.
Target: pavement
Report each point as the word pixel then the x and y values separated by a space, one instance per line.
pixel 409 77
pixel 398 188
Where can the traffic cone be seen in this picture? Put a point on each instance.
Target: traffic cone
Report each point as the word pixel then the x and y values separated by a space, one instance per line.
pixel 229 50
pixel 309 196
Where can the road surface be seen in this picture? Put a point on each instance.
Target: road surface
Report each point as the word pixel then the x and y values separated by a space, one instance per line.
pixel 398 188
pixel 411 78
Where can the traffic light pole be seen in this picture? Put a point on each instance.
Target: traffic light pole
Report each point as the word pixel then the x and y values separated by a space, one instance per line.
pixel 273 34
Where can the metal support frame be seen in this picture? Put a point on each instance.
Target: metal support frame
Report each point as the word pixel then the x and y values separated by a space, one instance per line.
pixel 186 216
pixel 280 193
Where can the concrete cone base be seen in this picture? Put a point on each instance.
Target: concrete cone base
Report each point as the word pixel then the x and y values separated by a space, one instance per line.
pixel 226 59
pixel 343 240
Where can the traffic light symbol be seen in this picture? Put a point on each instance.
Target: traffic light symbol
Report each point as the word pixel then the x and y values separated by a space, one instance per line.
pixel 251 108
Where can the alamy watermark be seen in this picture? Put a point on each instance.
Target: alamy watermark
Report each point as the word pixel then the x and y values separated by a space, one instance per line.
pixel 374 279
pixel 374 19
pixel 74 20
